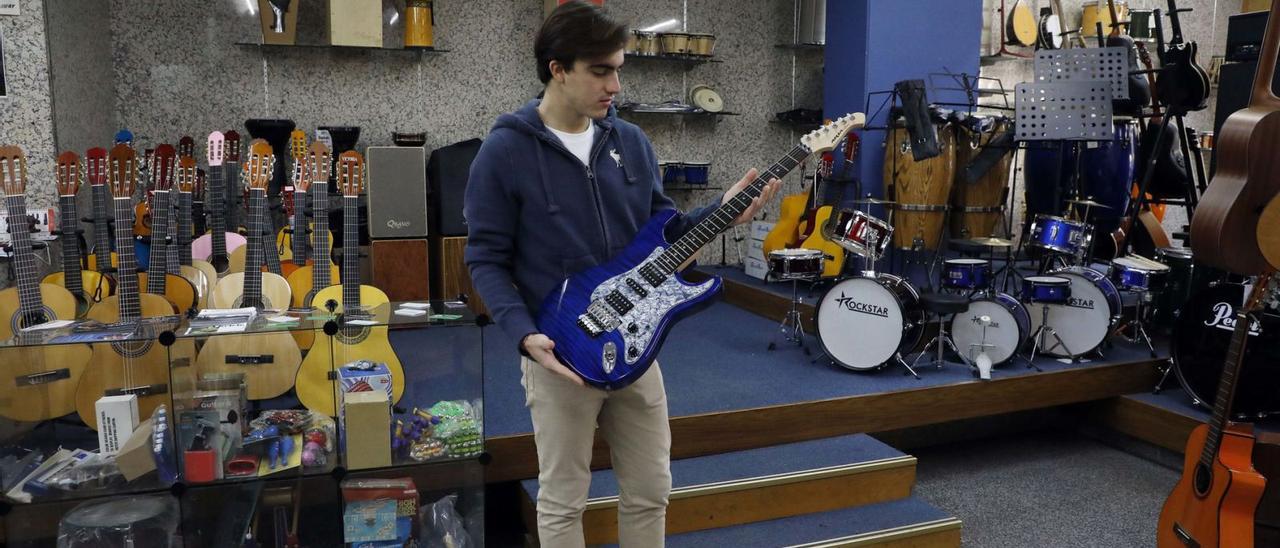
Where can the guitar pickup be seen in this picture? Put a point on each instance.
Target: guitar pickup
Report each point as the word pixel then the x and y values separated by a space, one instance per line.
pixel 260 359
pixel 140 391
pixel 619 302
pixel 652 275
pixel 638 288
pixel 43 377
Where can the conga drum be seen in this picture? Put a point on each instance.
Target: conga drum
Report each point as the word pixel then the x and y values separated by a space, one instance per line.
pixel 920 188
pixel 976 207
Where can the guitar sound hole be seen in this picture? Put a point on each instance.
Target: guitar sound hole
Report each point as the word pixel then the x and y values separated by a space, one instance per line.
pixel 1203 479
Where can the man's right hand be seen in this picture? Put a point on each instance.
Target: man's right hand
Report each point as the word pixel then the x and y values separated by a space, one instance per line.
pixel 539 346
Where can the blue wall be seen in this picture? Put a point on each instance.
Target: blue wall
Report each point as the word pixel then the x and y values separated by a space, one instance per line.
pixel 873 43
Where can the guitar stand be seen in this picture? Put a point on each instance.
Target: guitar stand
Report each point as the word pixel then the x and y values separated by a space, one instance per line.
pixel 791 329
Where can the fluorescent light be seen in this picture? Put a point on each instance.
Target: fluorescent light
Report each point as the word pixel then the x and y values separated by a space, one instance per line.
pixel 668 24
pixel 395 17
pixel 253 7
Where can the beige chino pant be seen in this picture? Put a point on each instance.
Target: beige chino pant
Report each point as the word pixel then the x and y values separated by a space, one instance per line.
pixel 632 420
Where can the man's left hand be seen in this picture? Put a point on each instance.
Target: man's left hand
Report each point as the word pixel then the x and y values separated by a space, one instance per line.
pixel 756 203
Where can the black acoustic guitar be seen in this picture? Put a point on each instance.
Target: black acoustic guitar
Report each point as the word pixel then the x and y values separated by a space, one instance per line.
pixel 1184 85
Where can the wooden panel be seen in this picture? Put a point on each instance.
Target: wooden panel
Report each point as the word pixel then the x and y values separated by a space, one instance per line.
pixel 455 279
pixel 1144 421
pixel 400 269
pixel 514 457
pixel 758 301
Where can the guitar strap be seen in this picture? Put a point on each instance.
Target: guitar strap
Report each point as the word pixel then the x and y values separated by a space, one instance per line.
pixel 1171 177
pixel 989 156
pixel 920 128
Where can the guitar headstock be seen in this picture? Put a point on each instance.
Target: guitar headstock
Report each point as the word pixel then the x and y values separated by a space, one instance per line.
pixel 351 173
pixel 201 177
pixel 13 170
pixel 232 146
pixel 827 137
pixel 68 173
pixel 260 165
pixel 162 165
pixel 216 149
pixel 186 174
pixel 297 144
pixel 186 147
pixel 319 165
pixel 96 166
pixel 122 170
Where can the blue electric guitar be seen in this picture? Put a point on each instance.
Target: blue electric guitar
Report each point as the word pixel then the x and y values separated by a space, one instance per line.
pixel 608 322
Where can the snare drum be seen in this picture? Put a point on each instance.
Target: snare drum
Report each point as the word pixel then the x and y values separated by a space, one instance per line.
pixel 966 273
pixel 858 232
pixel 864 322
pixel 796 264
pixel 697 173
pixel 672 173
pixel 1008 326
pixel 1085 319
pixel 1137 273
pixel 1046 289
pixel 1060 235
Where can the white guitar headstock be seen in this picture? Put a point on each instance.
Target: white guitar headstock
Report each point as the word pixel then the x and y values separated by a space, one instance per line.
pixel 826 137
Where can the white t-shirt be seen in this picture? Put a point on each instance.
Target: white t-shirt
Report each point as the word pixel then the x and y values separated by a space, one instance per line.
pixel 578 143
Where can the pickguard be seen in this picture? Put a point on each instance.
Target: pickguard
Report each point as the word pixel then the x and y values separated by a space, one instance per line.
pixel 639 326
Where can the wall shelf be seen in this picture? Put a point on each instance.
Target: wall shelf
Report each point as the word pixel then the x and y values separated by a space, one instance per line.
pixel 687 60
pixel 801 47
pixel 701 113
pixel 337 47
pixel 804 127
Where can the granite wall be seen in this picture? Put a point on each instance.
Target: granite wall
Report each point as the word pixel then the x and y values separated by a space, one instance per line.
pixel 26 114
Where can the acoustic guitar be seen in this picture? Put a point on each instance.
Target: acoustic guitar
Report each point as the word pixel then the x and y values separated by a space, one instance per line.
pixel 139 366
pixel 87 286
pixel 835 255
pixel 174 288
pixel 1184 84
pixel 352 301
pixel 292 241
pixel 215 247
pixel 1224 228
pixel 308 280
pixel 37 382
pixel 269 361
pixel 1021 26
pixel 201 274
pixel 142 209
pixel 103 259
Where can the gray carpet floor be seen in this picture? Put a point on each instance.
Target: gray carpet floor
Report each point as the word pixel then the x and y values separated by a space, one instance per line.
pixel 1045 489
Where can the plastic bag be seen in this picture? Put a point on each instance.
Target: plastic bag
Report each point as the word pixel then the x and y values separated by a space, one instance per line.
pixel 442 527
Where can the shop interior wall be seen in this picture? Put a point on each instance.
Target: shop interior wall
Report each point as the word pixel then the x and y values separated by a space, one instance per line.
pixel 176 69
pixel 26 113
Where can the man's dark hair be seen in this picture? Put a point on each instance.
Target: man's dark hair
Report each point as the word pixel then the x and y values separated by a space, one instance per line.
pixel 576 30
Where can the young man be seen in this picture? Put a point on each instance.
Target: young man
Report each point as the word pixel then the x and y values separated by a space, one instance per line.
pixel 559 186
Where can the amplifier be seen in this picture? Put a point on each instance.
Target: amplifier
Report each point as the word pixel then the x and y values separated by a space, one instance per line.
pixel 447 172
pixel 397 192
pixel 1244 35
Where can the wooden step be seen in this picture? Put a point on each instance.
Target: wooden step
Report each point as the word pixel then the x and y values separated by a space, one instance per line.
pixel 768 483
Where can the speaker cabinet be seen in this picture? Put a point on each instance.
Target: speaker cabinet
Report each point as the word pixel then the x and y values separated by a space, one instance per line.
pixel 450 278
pixel 401 269
pixel 397 192
pixel 447 173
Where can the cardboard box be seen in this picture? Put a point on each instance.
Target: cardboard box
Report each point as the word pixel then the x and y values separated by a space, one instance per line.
pixel 755 268
pixel 366 427
pixel 355 23
pixel 401 490
pixel 117 419
pixel 135 459
pixel 354 377
pixel 760 229
pixel 755 250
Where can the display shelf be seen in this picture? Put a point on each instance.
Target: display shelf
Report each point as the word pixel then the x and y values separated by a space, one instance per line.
pixel 802 47
pixel 423 50
pixel 803 127
pixel 699 113
pixel 688 60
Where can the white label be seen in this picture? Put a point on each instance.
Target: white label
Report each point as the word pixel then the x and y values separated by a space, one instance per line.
pixel 9 7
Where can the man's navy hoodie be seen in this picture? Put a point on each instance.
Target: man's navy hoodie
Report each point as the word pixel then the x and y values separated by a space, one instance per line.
pixel 536 214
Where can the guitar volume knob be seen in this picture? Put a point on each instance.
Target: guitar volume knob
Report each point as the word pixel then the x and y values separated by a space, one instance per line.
pixel 633 328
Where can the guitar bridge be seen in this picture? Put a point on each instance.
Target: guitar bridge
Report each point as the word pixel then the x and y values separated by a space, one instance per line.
pixel 43 377
pixel 236 359
pixel 598 319
pixel 140 391
pixel 1184 536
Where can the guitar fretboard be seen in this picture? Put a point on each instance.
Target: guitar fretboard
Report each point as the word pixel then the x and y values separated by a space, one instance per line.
pixel 319 237
pixel 157 265
pixel 183 240
pixel 254 256
pixel 127 273
pixel 217 212
pixel 298 240
pixel 30 304
pixel 350 254
pixel 101 228
pixel 70 245
pixel 1226 386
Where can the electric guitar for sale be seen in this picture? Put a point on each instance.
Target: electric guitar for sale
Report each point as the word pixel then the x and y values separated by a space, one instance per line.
pixel 1184 84
pixel 88 286
pixel 36 382
pixel 354 302
pixel 608 322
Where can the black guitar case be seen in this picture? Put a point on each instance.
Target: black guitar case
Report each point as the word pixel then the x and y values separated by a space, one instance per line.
pixel 1171 177
pixel 1139 89
pixel 920 128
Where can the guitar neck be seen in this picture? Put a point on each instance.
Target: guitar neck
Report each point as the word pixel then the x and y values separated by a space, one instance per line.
pixel 217 210
pixel 1062 23
pixel 350 254
pixel 127 272
pixel 298 241
pixel 720 219
pixel 101 228
pixel 159 247
pixel 30 303
pixel 1262 94
pixel 70 245
pixel 183 241
pixel 320 235
pixel 254 255
pixel 1174 25
pixel 1115 19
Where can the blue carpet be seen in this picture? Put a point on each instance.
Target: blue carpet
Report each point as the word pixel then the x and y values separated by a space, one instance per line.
pixel 765 461
pixel 814 527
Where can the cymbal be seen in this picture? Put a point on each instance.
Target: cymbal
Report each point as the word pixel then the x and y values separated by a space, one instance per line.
pixel 861 201
pixel 1088 203
pixel 992 242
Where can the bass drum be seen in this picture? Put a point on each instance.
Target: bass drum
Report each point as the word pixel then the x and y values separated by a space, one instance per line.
pixel 1009 328
pixel 865 322
pixel 1084 321
pixel 1200 342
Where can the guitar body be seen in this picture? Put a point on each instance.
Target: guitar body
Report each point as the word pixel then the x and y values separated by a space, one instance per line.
pixel 1224 516
pixel 1224 228
pixel 278 353
pixel 1184 85
pixel 235 260
pixel 199 282
pixel 314 388
pixel 93 261
pixel 177 290
pixel 206 268
pixel 1021 26
pixel 96 285
pixel 202 249
pixel 786 231
pixel 303 292
pixel 835 254
pixel 36 401
pixel 619 356
pixel 132 364
pixel 229 290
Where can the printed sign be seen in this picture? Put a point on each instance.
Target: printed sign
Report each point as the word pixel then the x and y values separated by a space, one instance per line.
pixel 8 7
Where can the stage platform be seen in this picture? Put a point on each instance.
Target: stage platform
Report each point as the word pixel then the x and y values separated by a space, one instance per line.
pixel 726 392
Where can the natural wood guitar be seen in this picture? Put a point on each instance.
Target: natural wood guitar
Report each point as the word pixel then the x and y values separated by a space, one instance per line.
pixel 139 366
pixel 157 280
pixel 353 302
pixel 87 286
pixel 269 361
pixel 36 382
pixel 103 259
pixel 200 273
pixel 217 246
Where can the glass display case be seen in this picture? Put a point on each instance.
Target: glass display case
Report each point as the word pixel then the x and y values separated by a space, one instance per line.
pixel 313 427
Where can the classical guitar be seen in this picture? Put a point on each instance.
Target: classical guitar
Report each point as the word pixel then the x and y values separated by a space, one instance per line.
pixel 271 255
pixel 88 286
pixel 201 274
pixel 1213 503
pixel 37 382
pixel 353 301
pixel 269 361
pixel 292 240
pixel 785 232
pixel 199 223
pixel 157 281
pixel 308 280
pixel 139 366
pixel 235 208
pixel 608 322
pixel 142 209
pixel 253 287
pixel 1223 229
pixel 1184 85
pixel 216 246
pixel 186 148
pixel 835 255
pixel 103 259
